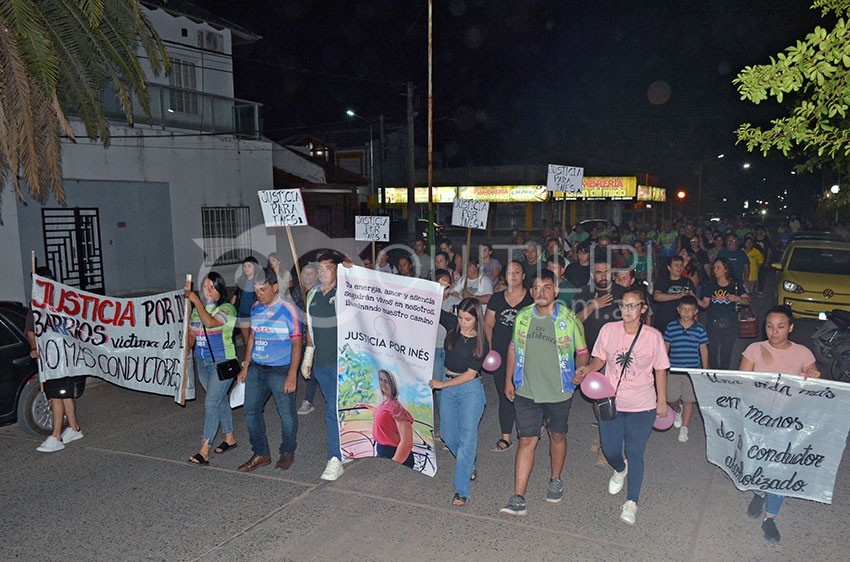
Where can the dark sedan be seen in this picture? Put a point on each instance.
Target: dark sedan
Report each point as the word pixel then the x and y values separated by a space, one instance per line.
pixel 21 398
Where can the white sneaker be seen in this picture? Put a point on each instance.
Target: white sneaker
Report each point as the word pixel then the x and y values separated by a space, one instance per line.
pixel 50 445
pixel 306 408
pixel 70 435
pixel 333 470
pixel 347 460
pixel 629 512
pixel 618 480
pixel 677 420
pixel 683 435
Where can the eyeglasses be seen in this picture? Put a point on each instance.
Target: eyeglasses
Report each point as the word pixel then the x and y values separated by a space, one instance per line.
pixel 630 305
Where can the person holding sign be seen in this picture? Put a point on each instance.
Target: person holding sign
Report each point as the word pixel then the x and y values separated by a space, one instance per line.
pixel 776 355
pixel 322 335
pixel 62 393
pixel 462 402
pixel 211 334
pixel 270 369
pixel 631 351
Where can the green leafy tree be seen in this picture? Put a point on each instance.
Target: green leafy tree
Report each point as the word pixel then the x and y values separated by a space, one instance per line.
pixel 812 79
pixel 56 59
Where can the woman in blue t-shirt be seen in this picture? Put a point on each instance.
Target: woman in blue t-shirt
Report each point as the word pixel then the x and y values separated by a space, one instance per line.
pixel 245 297
pixel 211 332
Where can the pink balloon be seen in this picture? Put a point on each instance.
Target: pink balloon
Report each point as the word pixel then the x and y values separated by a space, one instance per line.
pixel 492 361
pixel 596 386
pixel 666 422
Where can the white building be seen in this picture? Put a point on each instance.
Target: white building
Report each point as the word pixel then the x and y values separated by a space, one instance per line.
pixel 134 210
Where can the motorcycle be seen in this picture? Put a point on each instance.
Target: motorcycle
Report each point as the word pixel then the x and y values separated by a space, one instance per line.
pixel 832 345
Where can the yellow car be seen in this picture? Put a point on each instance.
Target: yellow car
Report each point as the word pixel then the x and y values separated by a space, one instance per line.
pixel 814 277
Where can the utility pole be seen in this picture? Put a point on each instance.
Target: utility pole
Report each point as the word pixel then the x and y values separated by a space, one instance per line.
pixel 411 168
pixel 381 156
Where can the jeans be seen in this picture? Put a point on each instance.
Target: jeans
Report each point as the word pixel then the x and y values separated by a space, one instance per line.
pixel 633 429
pixel 312 386
pixel 216 405
pixel 772 503
pixel 439 373
pixel 327 380
pixel 720 343
pixel 460 412
pixel 261 383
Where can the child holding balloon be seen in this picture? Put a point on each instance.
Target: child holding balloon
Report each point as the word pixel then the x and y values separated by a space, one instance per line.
pixel 633 351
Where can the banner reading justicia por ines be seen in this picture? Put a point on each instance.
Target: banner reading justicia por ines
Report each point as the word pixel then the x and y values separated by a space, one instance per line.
pixel 386 332
pixel 136 343
pixel 775 433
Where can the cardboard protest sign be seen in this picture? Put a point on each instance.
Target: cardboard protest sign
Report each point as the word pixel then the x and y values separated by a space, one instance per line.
pixel 469 213
pixel 386 332
pixel 774 433
pixel 564 178
pixel 372 229
pixel 135 343
pixel 283 207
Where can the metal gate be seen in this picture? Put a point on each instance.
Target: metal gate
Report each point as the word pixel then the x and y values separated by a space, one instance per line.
pixel 72 247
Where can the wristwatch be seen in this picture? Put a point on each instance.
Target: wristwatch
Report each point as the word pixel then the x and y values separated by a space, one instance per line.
pixel 245 364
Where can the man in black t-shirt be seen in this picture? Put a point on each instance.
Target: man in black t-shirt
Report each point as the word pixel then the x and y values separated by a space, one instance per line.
pixel 668 291
pixel 578 271
pixel 595 304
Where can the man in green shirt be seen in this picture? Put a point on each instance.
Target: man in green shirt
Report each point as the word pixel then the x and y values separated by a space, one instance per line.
pixel 548 343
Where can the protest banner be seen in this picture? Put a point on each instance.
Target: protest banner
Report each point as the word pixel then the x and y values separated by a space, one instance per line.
pixel 776 433
pixel 135 343
pixel 372 229
pixel 469 213
pixel 386 330
pixel 282 207
pixel 568 179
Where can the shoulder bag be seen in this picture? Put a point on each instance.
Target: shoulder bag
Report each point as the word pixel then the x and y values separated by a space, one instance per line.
pixel 607 407
pixel 226 370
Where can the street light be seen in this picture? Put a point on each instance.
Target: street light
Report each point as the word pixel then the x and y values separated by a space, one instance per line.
pixel 835 189
pixel 352 113
pixel 681 196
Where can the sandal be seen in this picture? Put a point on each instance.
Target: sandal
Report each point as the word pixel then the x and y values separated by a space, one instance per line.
pixel 500 445
pixel 225 446
pixel 458 500
pixel 198 458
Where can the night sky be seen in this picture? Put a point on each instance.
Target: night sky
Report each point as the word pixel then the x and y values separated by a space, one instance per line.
pixel 631 88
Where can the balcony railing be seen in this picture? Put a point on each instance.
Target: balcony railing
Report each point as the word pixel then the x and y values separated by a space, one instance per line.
pixel 177 108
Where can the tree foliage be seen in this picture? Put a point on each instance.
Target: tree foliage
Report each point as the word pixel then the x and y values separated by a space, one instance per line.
pixel 56 59
pixel 812 79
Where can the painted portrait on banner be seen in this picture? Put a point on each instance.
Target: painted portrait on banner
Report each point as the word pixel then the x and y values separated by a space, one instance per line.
pixel 387 330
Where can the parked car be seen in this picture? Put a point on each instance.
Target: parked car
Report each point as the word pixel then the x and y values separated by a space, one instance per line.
pixel 814 277
pixel 21 398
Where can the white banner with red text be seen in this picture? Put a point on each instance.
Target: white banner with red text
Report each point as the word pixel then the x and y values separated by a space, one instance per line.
pixel 136 343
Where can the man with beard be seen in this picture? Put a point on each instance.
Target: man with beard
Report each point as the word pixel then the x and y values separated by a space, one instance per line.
pixel 595 304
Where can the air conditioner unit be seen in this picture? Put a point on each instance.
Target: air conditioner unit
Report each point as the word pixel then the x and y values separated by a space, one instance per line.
pixel 211 41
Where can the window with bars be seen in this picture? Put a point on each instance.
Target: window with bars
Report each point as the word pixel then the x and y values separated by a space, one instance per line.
pixel 227 234
pixel 183 76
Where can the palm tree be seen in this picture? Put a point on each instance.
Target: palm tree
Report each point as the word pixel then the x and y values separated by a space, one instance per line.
pixel 56 58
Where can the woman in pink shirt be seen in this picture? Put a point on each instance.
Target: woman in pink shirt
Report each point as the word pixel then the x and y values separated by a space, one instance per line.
pixel 776 355
pixel 631 353
pixel 392 425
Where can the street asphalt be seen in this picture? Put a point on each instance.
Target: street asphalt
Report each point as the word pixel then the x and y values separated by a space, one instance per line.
pixel 126 492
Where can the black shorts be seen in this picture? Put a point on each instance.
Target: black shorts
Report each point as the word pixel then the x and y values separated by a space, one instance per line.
pixel 531 416
pixel 66 387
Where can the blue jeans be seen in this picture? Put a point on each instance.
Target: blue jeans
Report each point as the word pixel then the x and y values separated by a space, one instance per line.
pixel 259 385
pixel 327 378
pixel 312 386
pixel 216 405
pixel 439 373
pixel 633 429
pixel 460 412
pixel 772 503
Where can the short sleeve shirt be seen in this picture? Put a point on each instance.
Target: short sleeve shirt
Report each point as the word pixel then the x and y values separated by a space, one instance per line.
pixel 219 338
pixel 685 344
pixel 323 325
pixel 637 389
pixel 768 359
pixel 273 327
